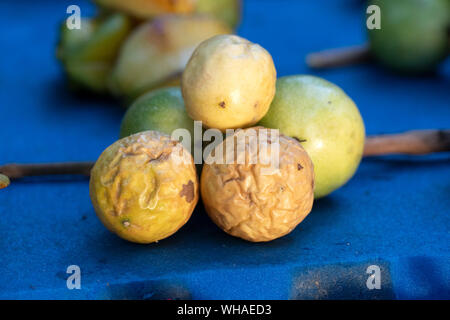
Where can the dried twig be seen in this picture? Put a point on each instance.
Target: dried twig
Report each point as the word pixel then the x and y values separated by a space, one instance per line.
pixel 411 142
pixel 338 57
pixel 15 171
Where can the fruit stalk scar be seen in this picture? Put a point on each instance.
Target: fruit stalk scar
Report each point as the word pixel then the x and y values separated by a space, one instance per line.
pixel 416 142
pixel 339 57
pixel 411 142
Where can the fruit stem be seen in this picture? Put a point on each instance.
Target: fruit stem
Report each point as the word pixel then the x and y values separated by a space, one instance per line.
pixel 411 142
pixel 338 57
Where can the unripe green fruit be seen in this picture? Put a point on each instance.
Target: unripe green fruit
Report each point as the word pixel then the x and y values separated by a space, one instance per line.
pixel 414 34
pixel 88 53
pixel 326 122
pixel 158 110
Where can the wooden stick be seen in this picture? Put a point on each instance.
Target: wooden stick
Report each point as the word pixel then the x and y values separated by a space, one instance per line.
pixel 411 142
pixel 15 171
pixel 338 57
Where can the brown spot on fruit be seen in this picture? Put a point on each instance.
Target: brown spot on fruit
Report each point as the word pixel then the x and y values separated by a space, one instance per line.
pixel 222 104
pixel 299 167
pixel 188 191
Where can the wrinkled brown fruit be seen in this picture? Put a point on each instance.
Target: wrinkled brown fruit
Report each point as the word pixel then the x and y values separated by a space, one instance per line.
pixel 253 201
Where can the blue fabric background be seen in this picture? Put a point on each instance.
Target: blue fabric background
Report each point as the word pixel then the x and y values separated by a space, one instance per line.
pixel 393 213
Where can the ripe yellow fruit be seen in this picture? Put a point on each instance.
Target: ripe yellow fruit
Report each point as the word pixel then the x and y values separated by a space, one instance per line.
pixel 143 187
pixel 250 199
pixel 229 82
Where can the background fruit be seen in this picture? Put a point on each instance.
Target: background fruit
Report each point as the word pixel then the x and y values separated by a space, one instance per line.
pixel 148 8
pixel 414 34
pixel 229 82
pixel 139 190
pixel 88 53
pixel 156 53
pixel 248 202
pixel 159 110
pixel 226 10
pixel 326 121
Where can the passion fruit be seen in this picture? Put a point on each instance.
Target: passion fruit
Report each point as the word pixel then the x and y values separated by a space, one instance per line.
pixel 252 198
pixel 144 187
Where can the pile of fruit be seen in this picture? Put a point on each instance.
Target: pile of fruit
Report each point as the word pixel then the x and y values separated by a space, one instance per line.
pixel 144 187
pixel 177 62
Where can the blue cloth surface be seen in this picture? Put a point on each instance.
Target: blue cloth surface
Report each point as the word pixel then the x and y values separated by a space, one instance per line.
pixel 394 213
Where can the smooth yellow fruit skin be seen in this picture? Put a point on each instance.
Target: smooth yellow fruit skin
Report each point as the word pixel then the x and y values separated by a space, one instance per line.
pixel 229 82
pixel 326 121
pixel 138 189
